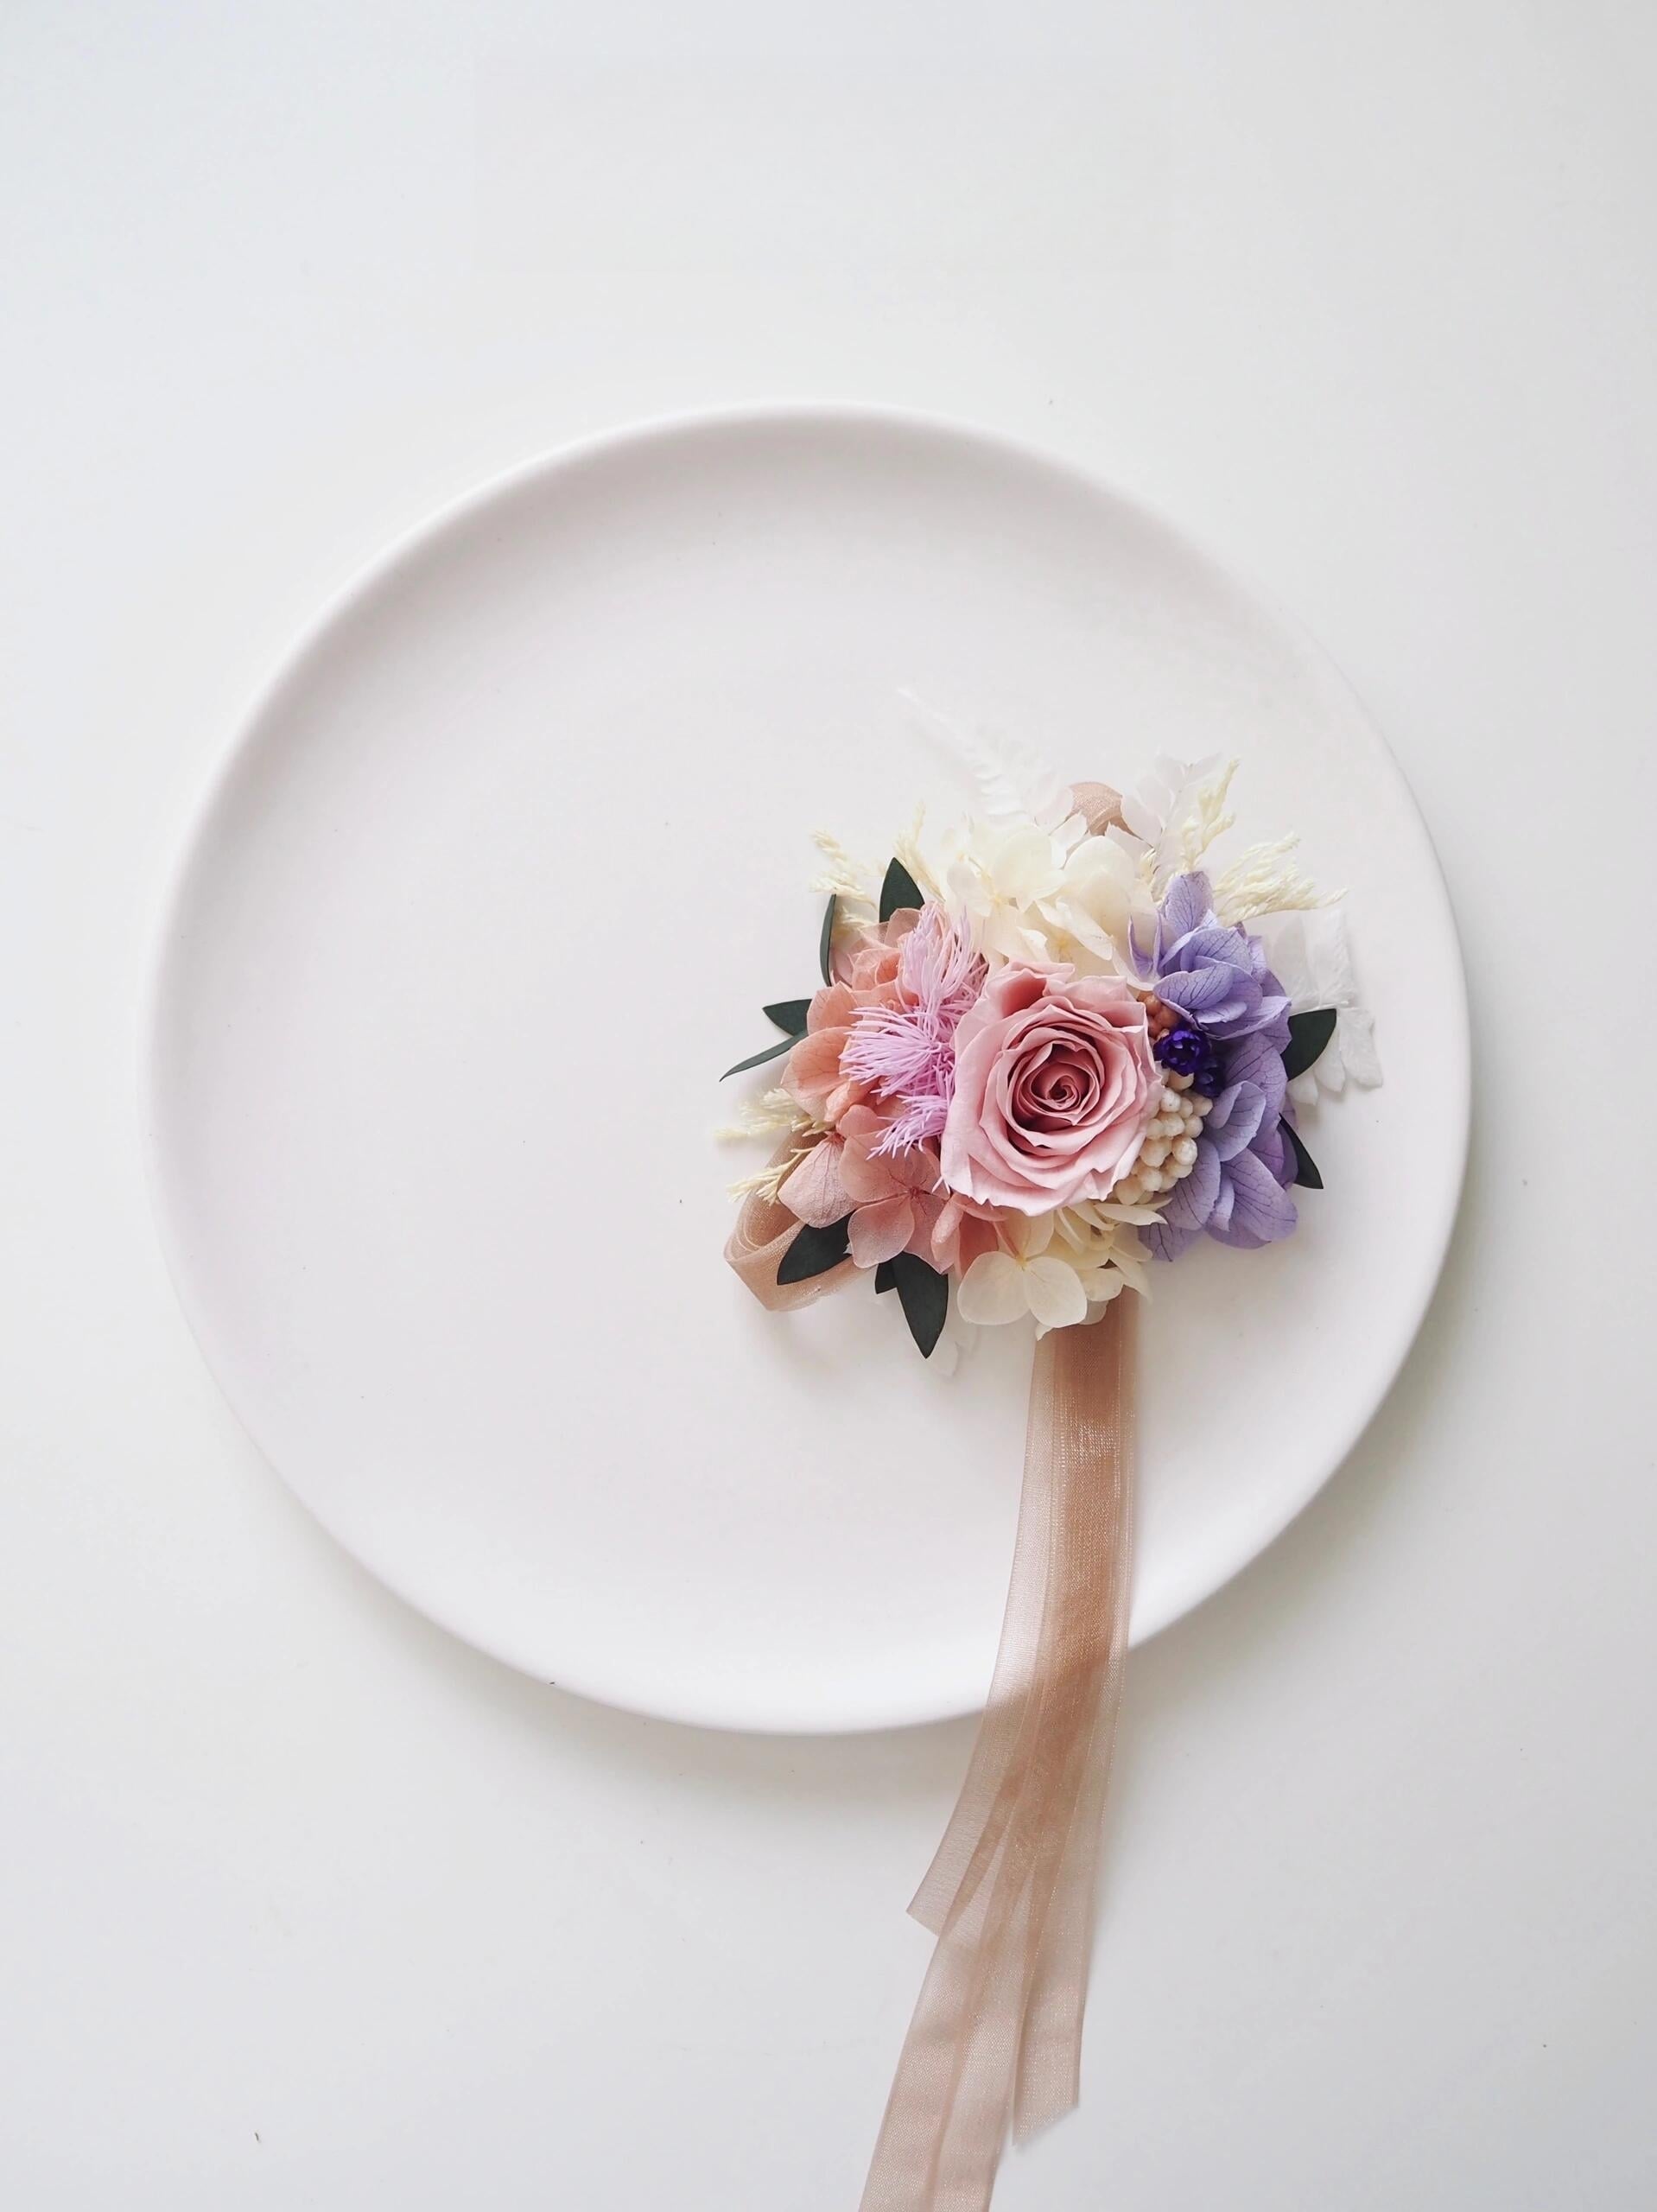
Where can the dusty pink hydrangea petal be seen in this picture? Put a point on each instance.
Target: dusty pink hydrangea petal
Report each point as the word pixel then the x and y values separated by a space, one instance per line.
pixel 869 956
pixel 881 1231
pixel 832 1008
pixel 864 1129
pixel 867 1181
pixel 865 978
pixel 916 1169
pixel 814 1193
pixel 811 1071
pixel 957 1234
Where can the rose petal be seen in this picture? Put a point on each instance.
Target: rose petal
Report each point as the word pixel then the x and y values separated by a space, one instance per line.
pixel 1054 1086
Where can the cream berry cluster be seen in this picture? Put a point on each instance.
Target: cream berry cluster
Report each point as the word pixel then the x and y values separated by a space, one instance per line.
pixel 1169 1152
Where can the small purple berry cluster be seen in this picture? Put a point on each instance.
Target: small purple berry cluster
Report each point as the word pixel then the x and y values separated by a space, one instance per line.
pixel 1188 1051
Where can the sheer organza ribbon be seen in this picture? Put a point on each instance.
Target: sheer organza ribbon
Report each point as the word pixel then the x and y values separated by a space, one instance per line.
pixel 995 2041
pixel 764 1229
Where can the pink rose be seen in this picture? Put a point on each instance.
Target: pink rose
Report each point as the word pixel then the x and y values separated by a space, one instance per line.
pixel 1055 1087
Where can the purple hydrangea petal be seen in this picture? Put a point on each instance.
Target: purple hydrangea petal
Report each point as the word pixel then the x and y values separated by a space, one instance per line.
pixel 1213 944
pixel 1261 1211
pixel 1242 1017
pixel 1192 1199
pixel 1225 1198
pixel 1274 1009
pixel 1273 1147
pixel 1144 957
pixel 1207 994
pixel 1165 1243
pixel 1186 905
pixel 1236 1115
pixel 1256 1059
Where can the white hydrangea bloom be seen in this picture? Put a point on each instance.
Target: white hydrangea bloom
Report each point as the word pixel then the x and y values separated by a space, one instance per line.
pixel 1099 895
pixel 998 875
pixel 1059 1267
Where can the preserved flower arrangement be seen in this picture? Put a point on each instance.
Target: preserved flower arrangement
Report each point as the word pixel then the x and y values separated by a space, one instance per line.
pixel 1051 1051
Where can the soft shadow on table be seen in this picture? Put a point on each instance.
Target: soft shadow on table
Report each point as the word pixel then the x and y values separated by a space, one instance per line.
pixel 927 1762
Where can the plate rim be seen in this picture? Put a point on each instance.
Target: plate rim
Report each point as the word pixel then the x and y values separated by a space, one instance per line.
pixel 368 577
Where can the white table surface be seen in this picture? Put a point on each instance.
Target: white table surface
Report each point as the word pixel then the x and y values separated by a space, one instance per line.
pixel 302 1904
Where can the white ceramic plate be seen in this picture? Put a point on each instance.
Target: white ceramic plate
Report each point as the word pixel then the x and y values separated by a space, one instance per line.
pixel 493 885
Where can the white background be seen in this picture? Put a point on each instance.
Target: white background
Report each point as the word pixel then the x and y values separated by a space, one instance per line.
pixel 301 1904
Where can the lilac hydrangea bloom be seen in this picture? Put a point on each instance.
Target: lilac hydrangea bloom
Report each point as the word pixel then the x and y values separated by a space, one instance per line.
pixel 1216 979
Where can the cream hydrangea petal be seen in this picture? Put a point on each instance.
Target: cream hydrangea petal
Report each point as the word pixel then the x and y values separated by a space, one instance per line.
pixel 1031 1232
pixel 1131 1263
pixel 1054 1293
pixel 967 888
pixel 1070 930
pixel 1024 865
pixel 1095 897
pixel 993 1290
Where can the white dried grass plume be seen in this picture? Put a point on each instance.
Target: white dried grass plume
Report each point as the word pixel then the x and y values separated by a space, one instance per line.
pixel 1015 785
pixel 1262 880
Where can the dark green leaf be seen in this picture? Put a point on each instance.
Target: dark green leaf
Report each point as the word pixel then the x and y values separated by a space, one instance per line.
pixel 900 889
pixel 813 1252
pixel 884 1278
pixel 1305 1168
pixel 759 1059
pixel 925 1297
pixel 789 1014
pixel 1308 1035
pixel 826 942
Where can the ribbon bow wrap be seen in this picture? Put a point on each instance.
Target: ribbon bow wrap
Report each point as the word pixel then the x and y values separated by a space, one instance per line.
pixel 995 2041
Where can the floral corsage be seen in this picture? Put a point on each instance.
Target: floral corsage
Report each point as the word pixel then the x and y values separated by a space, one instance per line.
pixel 1060 1045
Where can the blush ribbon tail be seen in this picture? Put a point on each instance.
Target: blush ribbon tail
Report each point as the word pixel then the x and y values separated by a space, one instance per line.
pixel 995 2042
